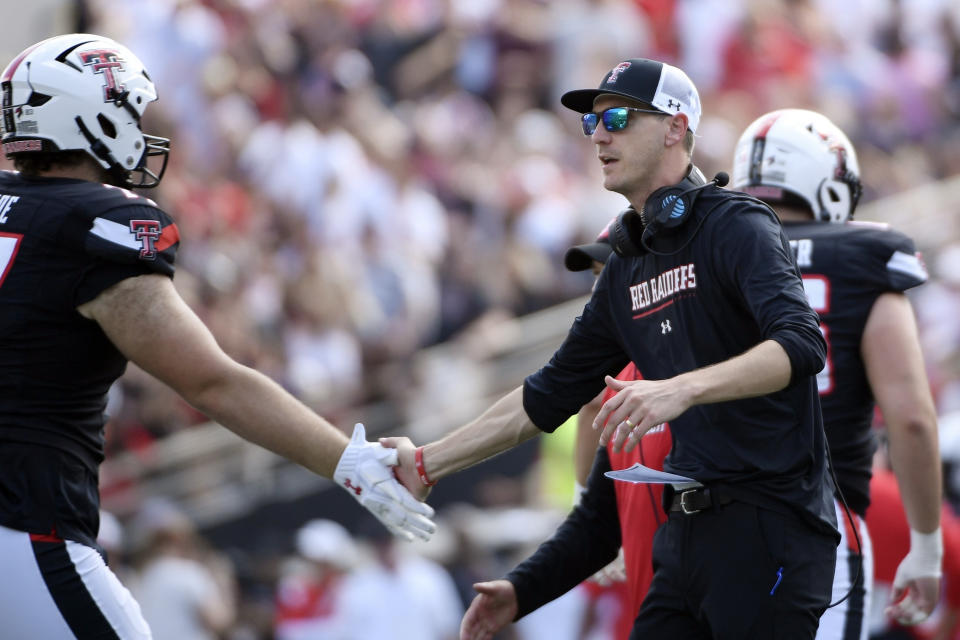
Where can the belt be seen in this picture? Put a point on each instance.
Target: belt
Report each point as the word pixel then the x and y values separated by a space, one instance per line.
pixel 696 500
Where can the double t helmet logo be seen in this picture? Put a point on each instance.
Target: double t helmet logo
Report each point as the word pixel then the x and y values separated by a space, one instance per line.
pixel 106 62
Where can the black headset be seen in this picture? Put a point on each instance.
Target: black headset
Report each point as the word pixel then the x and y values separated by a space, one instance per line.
pixel 664 212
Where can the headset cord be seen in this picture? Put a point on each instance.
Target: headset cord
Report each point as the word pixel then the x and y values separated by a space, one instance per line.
pixel 853 527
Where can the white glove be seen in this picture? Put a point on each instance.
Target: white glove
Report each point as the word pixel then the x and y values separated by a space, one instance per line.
pixel 616 571
pixel 364 471
pixel 923 561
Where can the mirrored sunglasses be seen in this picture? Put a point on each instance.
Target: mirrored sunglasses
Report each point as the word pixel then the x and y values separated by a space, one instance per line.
pixel 614 119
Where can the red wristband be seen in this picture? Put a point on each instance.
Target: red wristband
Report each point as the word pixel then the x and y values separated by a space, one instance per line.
pixel 421 471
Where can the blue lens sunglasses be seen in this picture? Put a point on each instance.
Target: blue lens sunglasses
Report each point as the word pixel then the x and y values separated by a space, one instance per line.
pixel 614 119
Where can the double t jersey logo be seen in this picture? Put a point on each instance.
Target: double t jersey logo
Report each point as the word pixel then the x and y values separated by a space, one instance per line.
pixel 147 232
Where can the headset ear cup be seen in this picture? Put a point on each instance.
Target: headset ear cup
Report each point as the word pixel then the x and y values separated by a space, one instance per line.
pixel 668 208
pixel 626 228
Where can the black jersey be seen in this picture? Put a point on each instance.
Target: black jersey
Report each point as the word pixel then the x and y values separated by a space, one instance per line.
pixel 732 287
pixel 62 242
pixel 845 268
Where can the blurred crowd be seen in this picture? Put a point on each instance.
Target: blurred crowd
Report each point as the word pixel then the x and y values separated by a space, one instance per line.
pixel 355 180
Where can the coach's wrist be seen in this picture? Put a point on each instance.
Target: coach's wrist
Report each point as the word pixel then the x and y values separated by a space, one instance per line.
pixel 693 385
pixel 422 469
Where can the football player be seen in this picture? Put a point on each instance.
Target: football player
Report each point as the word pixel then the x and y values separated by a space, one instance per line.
pixel 855 274
pixel 86 268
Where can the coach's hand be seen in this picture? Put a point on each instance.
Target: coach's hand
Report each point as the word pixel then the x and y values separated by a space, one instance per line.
pixel 637 407
pixel 406 469
pixel 365 472
pixel 494 608
pixel 916 585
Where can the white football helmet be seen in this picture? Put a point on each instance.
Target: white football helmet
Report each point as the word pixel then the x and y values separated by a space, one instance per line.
pixel 795 154
pixel 86 92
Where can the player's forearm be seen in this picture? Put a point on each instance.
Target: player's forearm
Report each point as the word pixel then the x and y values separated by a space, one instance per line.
pixel 894 365
pixel 762 370
pixel 257 409
pixel 915 458
pixel 502 426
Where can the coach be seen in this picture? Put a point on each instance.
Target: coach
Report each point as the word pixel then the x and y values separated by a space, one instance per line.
pixel 704 296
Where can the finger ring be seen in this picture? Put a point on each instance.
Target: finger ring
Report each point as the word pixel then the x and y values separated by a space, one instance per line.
pixel 628 423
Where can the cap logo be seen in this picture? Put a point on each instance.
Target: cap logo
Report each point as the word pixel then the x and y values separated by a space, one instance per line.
pixel 616 71
pixel 673 104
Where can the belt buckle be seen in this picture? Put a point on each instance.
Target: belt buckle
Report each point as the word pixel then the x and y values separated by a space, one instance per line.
pixel 683 502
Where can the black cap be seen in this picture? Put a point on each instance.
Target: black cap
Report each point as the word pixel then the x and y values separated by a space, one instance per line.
pixel 581 257
pixel 663 86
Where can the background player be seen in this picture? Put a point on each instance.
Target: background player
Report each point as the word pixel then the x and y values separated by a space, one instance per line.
pixel 85 286
pixel 854 275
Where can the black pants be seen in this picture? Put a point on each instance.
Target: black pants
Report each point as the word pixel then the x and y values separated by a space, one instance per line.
pixel 736 573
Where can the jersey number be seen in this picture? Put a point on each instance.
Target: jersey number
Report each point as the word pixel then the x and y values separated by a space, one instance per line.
pixel 817 289
pixel 9 245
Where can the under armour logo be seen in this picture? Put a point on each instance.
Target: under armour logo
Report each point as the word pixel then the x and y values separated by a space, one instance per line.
pixel 673 104
pixel 349 485
pixel 665 327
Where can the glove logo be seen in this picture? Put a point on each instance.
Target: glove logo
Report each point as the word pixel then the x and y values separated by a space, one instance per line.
pixel 352 487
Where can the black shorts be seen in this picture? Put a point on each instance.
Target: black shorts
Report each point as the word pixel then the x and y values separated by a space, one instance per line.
pixel 736 573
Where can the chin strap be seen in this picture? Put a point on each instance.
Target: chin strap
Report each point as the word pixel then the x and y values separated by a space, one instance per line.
pixel 100 150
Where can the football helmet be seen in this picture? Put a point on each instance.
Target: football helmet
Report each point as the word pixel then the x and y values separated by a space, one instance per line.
pixel 794 154
pixel 85 92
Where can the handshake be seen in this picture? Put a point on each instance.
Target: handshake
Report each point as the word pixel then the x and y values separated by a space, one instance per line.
pixel 366 471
